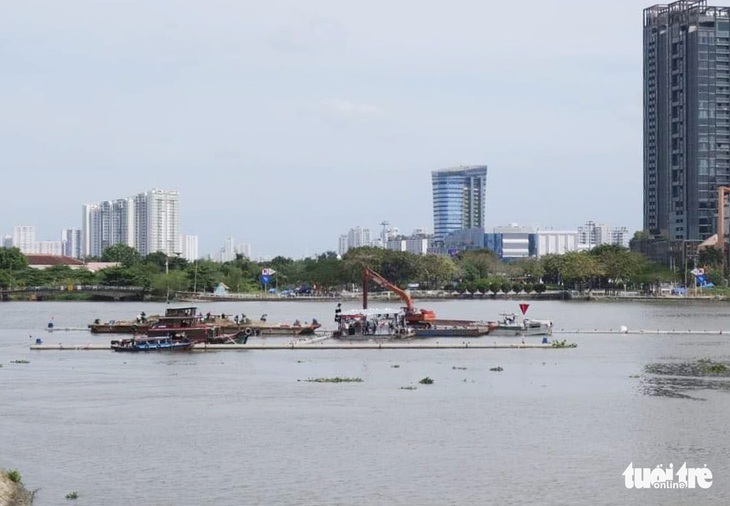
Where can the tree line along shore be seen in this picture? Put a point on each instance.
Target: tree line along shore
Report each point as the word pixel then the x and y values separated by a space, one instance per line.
pixel 606 270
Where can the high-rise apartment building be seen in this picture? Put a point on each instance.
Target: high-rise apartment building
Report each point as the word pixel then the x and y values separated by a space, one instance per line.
pixel 190 248
pixel 459 196
pixel 24 238
pixel 71 239
pixel 686 117
pixel 159 228
pixel 356 238
pixel 149 222
pixel 620 236
pixel 594 234
pixel 107 223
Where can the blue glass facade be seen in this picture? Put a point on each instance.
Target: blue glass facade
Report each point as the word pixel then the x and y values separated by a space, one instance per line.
pixel 458 199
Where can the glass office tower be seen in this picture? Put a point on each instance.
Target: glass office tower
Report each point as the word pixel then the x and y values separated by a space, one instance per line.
pixel 686 117
pixel 458 199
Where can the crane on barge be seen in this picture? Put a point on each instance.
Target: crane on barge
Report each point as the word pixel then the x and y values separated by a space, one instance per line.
pixel 414 316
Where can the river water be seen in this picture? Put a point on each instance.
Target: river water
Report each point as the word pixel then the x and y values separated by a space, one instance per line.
pixel 556 426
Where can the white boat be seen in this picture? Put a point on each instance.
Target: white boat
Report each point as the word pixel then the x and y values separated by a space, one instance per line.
pixel 512 324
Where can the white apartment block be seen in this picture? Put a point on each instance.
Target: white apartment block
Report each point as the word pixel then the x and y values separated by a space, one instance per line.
pixel 71 239
pixel 161 225
pixel 398 244
pixel 228 251
pixel 593 234
pixel 149 222
pixel 556 242
pixel 190 250
pixel 24 238
pixel 7 241
pixel 244 250
pixel 620 236
pixel 342 245
pixel 356 238
pixel 49 248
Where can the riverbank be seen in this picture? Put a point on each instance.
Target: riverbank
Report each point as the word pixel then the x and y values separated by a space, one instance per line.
pixel 13 493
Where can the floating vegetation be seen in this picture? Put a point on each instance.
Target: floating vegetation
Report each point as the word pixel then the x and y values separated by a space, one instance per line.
pixel 697 368
pixel 395 366
pixel 72 495
pixel 499 368
pixel 459 368
pixel 337 379
pixel 634 376
pixel 679 379
pixel 13 475
pixel 20 361
pixel 563 344
pixel 426 381
pixel 409 388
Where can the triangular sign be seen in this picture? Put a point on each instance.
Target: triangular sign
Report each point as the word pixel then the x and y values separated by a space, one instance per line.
pixel 523 307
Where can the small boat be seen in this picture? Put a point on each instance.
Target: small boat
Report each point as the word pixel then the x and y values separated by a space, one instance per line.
pixel 512 325
pixel 144 343
pixel 371 324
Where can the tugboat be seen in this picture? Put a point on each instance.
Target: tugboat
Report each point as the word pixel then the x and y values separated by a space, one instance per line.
pixel 185 322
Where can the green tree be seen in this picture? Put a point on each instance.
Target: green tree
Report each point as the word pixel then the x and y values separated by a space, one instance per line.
pixel 618 265
pixel 529 269
pixel 12 259
pixel 579 268
pixel 710 256
pixel 126 255
pixel 478 264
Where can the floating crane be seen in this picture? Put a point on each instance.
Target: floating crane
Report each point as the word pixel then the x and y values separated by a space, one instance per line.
pixel 413 315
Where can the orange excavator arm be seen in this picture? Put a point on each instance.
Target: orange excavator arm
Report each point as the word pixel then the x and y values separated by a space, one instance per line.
pixel 369 274
pixel 413 315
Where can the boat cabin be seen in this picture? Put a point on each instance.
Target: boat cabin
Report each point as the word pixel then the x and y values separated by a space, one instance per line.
pixel 371 323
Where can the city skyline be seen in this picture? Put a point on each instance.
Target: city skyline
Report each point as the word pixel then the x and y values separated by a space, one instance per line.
pixel 257 115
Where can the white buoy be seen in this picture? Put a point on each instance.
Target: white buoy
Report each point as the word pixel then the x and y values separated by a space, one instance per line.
pixel 624 329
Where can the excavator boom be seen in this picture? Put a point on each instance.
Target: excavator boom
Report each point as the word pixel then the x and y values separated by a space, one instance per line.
pixel 412 315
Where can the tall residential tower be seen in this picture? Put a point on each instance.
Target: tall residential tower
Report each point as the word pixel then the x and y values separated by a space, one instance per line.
pixel 459 197
pixel 686 117
pixel 149 222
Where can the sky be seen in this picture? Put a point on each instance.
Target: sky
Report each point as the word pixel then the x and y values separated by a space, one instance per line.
pixel 284 123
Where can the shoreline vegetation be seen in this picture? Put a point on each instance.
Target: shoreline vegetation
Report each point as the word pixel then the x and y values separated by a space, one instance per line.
pixel 12 490
pixel 564 295
pixel 605 272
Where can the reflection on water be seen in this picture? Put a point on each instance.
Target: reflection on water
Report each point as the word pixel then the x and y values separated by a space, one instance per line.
pixel 676 379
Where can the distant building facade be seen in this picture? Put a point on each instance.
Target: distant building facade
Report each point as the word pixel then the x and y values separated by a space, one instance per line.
pixel 686 118
pixel 148 222
pixel 24 238
pixel 556 242
pixel 459 198
pixel 418 243
pixel 356 238
pixel 71 239
pixel 190 250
